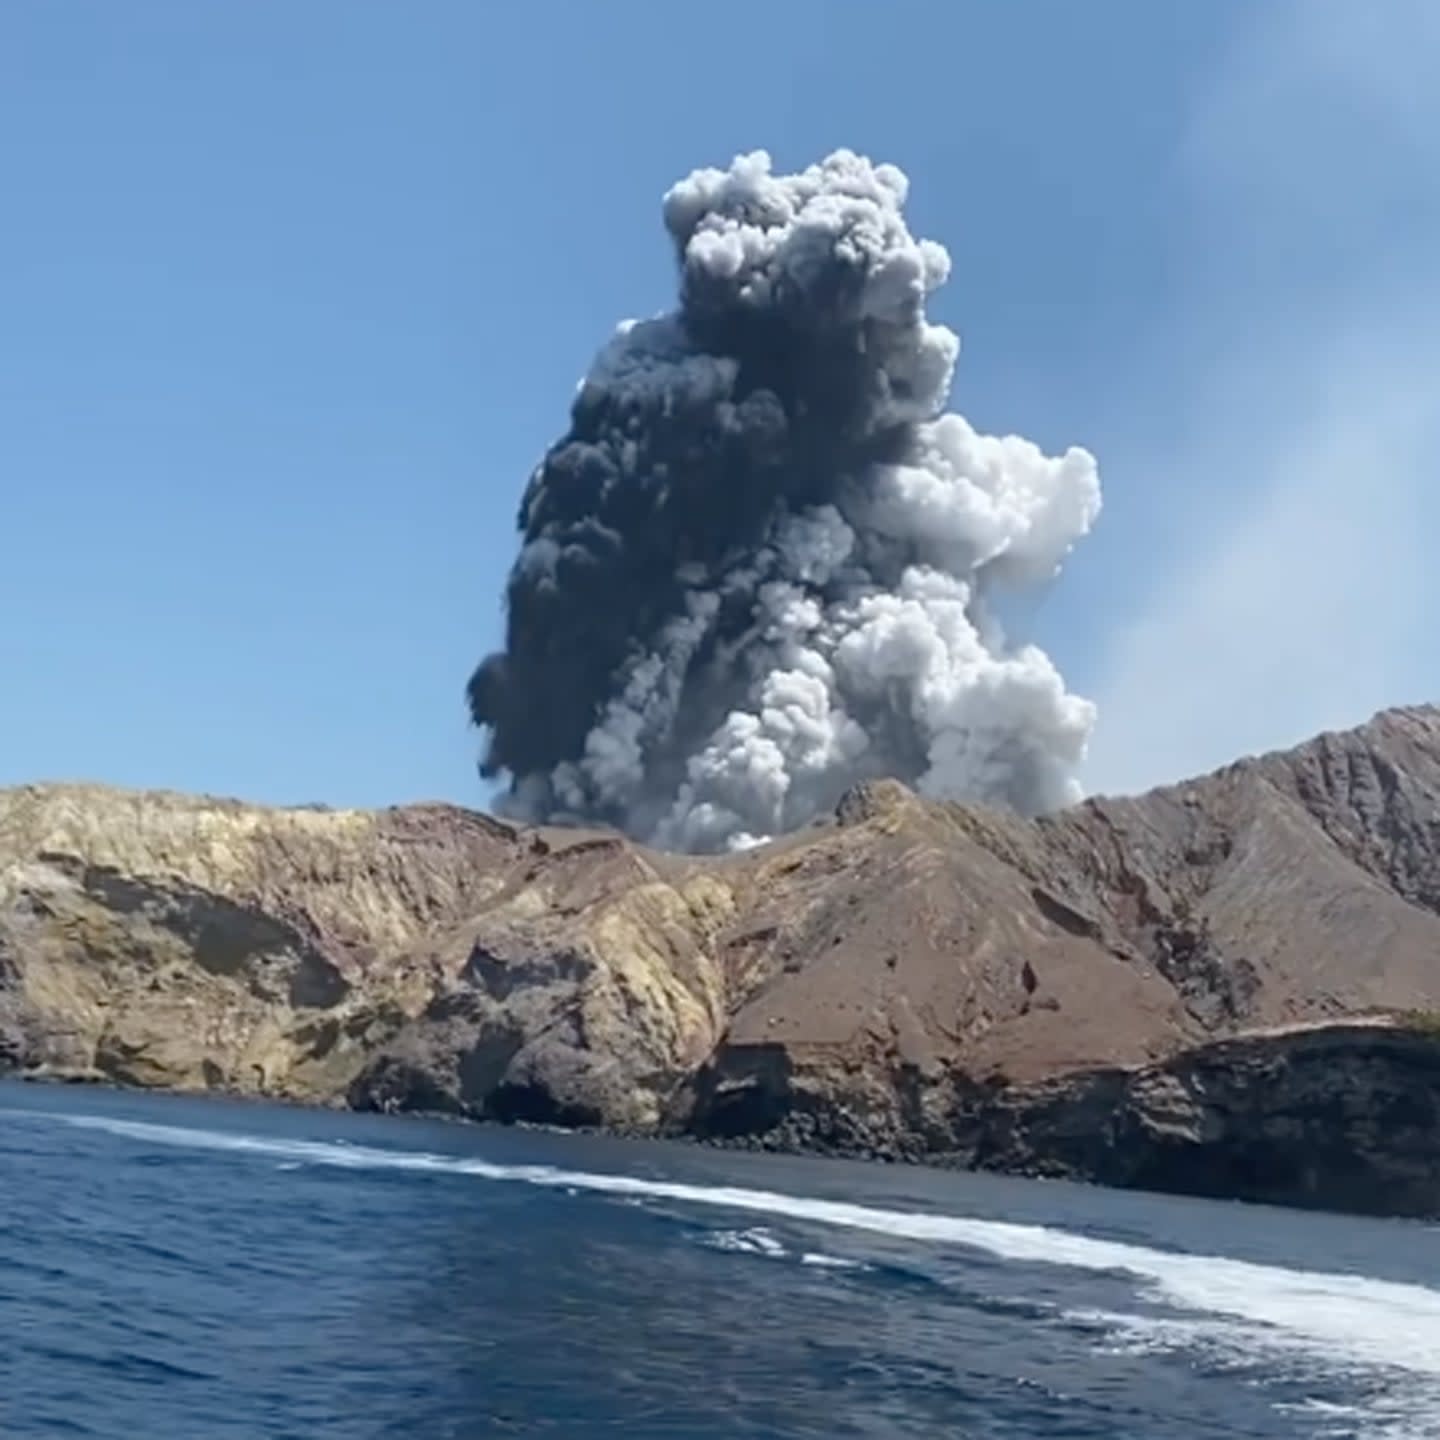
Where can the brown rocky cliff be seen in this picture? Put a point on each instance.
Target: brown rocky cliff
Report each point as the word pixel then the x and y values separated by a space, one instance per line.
pixel 873 984
pixel 194 943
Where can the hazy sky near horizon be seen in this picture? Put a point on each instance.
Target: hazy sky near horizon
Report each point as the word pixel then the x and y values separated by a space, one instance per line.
pixel 294 295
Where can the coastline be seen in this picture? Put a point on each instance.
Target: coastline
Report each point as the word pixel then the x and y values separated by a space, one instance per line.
pixel 1192 1125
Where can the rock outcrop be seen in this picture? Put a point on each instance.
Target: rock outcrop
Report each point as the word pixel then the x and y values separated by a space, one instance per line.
pixel 1220 987
pixel 1333 1116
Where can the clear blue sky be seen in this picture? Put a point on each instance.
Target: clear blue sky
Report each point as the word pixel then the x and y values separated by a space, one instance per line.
pixel 293 295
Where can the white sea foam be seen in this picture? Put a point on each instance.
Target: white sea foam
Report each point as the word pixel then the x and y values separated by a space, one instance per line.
pixel 1346 1323
pixel 830 1262
pixel 759 1241
pixel 747 1242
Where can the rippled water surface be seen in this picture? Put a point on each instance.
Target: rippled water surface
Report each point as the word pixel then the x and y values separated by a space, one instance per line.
pixel 197 1269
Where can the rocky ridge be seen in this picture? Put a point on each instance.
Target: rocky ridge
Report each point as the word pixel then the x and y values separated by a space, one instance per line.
pixel 1221 987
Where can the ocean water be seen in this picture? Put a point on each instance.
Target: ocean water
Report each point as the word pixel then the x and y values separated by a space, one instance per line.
pixel 174 1267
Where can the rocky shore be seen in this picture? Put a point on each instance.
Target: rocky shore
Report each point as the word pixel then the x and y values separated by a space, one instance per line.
pixel 1223 988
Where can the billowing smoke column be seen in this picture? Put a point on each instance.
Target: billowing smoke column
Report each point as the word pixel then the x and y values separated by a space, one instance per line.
pixel 755 570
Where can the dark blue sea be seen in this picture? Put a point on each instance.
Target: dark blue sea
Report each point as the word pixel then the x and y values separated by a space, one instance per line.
pixel 209 1270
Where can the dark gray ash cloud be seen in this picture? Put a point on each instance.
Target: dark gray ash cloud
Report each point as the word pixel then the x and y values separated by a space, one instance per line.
pixel 755 568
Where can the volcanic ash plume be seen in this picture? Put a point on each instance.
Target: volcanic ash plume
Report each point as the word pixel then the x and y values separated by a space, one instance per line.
pixel 756 568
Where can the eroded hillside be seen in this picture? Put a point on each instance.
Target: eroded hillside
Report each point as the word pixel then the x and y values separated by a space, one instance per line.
pixel 907 978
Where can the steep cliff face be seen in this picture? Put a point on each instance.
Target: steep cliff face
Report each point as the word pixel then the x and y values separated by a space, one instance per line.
pixel 158 939
pixel 423 956
pixel 909 979
pixel 1338 1115
pixel 586 992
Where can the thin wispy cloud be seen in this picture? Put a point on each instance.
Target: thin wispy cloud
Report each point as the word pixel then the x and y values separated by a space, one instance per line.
pixel 1301 598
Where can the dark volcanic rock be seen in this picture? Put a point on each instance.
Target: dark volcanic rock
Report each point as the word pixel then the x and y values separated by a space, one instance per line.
pixel 1343 1116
